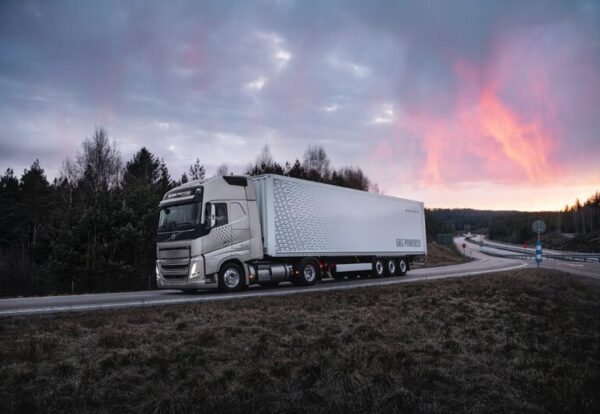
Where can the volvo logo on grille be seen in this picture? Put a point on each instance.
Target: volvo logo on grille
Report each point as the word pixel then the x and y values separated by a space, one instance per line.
pixel 173 236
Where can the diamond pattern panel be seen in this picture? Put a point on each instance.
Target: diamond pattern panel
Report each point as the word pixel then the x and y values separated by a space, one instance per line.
pixel 223 234
pixel 303 218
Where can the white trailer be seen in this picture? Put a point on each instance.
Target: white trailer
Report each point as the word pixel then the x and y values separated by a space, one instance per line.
pixel 230 232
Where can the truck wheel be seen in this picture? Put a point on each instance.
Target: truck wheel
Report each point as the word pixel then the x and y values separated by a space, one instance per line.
pixel 391 268
pixel 402 266
pixel 378 267
pixel 231 277
pixel 308 272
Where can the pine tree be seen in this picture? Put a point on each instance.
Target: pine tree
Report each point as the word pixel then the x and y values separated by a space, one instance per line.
pixel 197 171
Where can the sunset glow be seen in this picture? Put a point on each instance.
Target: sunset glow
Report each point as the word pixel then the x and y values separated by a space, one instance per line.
pixel 479 105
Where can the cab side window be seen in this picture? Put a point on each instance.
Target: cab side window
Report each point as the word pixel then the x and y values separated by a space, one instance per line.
pixel 221 214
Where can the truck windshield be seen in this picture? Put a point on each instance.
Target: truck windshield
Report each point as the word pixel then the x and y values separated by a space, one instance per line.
pixel 179 217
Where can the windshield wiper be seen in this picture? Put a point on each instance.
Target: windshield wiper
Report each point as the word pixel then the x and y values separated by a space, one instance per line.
pixel 167 227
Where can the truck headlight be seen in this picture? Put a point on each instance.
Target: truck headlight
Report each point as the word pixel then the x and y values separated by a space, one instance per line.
pixel 195 268
pixel 157 271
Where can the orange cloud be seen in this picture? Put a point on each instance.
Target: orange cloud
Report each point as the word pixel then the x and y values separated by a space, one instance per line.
pixel 481 137
pixel 526 144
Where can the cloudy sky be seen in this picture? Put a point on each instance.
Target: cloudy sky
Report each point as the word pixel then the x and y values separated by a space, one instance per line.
pixel 477 104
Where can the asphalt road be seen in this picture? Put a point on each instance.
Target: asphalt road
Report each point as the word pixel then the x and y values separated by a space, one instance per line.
pixel 481 264
pixel 588 269
pixel 74 303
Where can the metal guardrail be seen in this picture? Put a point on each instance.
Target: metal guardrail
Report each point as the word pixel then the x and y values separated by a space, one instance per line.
pixel 593 258
pixel 526 254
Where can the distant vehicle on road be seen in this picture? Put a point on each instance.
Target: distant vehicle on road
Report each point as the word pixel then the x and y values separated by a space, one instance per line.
pixel 229 232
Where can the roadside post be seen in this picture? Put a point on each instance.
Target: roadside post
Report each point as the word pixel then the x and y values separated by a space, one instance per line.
pixel 538 227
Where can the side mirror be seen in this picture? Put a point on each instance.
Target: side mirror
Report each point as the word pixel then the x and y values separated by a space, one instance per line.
pixel 208 208
pixel 213 216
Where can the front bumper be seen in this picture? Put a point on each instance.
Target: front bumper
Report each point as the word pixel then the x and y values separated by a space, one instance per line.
pixel 192 278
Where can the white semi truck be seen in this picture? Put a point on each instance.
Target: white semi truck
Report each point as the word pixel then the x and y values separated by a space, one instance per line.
pixel 229 232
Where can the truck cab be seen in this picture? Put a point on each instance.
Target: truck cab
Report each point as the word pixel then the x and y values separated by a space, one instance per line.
pixel 208 231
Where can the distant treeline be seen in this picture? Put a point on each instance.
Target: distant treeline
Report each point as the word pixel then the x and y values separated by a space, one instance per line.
pixel 515 226
pixel 93 228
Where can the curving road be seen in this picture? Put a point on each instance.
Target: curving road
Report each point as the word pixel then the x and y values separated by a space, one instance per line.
pixel 498 249
pixel 73 303
pixel 482 263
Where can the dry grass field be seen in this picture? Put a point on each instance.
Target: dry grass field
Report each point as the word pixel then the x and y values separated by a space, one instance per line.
pixel 523 341
pixel 439 255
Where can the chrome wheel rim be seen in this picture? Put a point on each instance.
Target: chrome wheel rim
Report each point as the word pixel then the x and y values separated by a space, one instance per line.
pixel 391 267
pixel 379 267
pixel 231 278
pixel 309 273
pixel 402 266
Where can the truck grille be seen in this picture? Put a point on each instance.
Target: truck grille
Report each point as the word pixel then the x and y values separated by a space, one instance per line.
pixel 174 263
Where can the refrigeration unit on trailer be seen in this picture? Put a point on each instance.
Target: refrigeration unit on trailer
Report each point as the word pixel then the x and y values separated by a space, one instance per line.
pixel 229 232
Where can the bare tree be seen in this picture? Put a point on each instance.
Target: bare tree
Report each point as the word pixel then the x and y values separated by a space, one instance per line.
pixel 317 161
pixel 222 169
pixel 265 157
pixel 98 168
pixel 264 164
pixel 374 188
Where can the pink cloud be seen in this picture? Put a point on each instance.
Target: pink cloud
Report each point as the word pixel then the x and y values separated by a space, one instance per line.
pixel 512 118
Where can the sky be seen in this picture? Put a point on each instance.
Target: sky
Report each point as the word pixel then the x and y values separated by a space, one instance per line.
pixel 480 104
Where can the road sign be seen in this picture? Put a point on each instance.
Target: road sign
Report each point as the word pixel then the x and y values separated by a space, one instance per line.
pixel 539 226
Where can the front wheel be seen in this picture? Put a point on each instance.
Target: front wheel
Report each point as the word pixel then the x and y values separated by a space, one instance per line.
pixel 231 278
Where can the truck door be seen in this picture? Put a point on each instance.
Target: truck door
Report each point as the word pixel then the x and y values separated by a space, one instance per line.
pixel 217 243
pixel 240 241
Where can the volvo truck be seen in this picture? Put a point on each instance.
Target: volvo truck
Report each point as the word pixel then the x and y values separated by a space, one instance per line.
pixel 230 232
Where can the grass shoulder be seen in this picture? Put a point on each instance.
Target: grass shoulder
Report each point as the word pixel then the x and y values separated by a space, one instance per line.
pixel 441 255
pixel 513 341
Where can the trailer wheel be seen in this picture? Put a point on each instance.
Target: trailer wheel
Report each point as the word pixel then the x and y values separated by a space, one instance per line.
pixel 231 277
pixel 391 268
pixel 378 267
pixel 308 272
pixel 402 266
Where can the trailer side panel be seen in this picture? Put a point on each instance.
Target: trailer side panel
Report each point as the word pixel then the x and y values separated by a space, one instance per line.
pixel 303 218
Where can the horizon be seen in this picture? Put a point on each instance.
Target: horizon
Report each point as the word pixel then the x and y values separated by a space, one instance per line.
pixel 570 204
pixel 484 105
